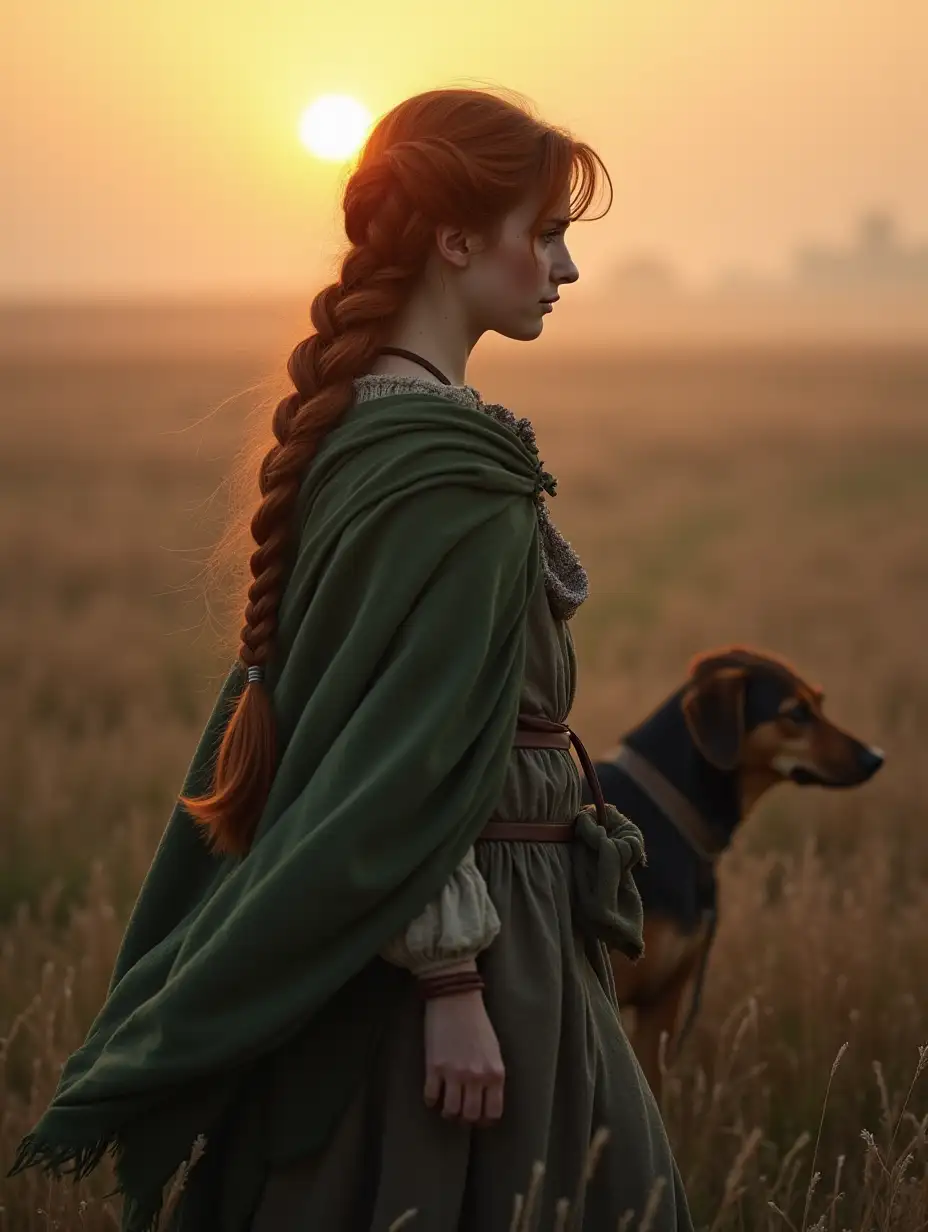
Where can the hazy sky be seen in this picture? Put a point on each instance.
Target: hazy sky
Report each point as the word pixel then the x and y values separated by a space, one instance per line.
pixel 152 144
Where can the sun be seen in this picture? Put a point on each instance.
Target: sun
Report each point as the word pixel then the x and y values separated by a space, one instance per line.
pixel 334 127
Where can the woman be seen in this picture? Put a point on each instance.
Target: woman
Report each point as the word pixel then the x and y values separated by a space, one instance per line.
pixel 367 964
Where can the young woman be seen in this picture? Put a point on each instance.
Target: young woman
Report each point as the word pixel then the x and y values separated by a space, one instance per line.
pixel 368 962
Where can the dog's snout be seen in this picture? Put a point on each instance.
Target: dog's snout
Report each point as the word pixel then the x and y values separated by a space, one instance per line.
pixel 870 760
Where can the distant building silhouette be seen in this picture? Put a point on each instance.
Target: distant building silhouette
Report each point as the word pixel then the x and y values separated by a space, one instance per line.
pixel 877 268
pixel 879 259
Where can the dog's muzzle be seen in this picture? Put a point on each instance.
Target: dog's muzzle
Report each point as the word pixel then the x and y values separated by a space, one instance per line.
pixel 869 760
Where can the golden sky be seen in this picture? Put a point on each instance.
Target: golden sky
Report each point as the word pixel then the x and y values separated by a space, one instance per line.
pixel 151 145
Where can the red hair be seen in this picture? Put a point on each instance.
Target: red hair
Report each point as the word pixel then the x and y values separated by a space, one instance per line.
pixel 456 156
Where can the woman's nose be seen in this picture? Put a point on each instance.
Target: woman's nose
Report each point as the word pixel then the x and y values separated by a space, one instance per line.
pixel 567 273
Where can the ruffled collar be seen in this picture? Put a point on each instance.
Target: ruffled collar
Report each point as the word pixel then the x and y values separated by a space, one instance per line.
pixel 376 385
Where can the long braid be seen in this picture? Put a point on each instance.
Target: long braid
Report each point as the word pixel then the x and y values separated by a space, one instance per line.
pixel 351 319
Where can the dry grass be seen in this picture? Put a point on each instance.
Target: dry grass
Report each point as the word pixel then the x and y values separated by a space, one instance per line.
pixel 775 499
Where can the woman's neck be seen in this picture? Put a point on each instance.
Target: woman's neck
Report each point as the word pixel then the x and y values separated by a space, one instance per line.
pixel 429 327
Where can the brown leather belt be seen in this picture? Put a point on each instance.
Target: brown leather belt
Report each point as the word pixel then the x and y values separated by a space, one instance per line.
pixel 526 832
pixel 533 732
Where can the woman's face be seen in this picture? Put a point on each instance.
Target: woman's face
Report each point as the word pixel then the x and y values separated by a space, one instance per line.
pixel 510 286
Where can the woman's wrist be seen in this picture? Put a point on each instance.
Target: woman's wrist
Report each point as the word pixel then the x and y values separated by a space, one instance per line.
pixel 450 983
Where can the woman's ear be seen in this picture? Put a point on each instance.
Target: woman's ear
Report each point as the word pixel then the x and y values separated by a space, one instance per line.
pixel 455 245
pixel 714 712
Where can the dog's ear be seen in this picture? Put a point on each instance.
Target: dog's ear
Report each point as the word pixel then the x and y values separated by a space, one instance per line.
pixel 714 712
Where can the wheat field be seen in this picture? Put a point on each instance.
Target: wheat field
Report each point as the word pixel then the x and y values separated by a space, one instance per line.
pixel 777 497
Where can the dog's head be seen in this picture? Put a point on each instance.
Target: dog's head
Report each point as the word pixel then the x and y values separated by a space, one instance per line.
pixel 751 711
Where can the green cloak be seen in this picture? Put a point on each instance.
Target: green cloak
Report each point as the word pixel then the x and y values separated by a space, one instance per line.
pixel 396 688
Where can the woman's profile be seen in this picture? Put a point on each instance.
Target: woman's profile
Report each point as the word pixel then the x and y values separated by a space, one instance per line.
pixel 367 966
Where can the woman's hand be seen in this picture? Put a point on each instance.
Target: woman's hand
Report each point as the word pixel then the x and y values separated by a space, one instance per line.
pixel 464 1072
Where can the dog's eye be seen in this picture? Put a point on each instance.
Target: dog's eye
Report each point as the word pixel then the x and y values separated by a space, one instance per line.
pixel 798 713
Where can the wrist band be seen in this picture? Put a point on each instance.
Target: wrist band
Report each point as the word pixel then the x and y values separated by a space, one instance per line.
pixel 453 984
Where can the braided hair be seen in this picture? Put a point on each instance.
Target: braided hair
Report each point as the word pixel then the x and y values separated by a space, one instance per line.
pixel 456 156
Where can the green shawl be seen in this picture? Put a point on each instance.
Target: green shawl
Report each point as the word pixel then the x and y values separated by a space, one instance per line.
pixel 396 686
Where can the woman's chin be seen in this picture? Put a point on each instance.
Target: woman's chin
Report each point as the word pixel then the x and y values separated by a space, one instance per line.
pixel 525 330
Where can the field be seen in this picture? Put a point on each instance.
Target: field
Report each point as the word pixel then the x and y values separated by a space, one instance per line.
pixel 773 497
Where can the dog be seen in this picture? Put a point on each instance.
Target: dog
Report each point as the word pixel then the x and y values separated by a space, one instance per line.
pixel 687 776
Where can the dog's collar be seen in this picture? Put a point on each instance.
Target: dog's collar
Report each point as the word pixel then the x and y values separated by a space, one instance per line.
pixel 702 836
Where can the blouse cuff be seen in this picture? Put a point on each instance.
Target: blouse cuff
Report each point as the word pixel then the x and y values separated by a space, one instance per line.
pixel 459 924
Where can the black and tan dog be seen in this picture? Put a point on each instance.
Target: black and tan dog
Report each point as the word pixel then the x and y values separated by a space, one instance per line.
pixel 687 777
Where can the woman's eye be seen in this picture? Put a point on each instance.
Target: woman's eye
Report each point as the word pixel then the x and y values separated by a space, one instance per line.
pixel 800 713
pixel 551 237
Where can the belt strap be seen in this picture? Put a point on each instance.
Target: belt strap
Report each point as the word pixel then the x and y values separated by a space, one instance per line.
pixel 527 832
pixel 537 733
pixel 534 732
